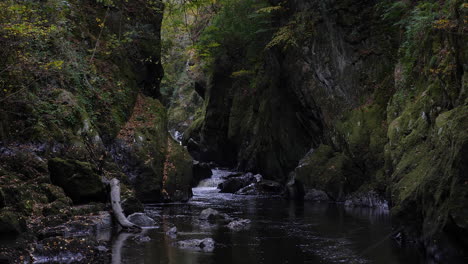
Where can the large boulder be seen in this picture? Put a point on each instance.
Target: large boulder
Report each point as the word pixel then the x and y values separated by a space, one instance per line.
pixel 201 171
pixel 159 168
pixel 263 187
pixel 239 225
pixel 315 195
pixel 141 219
pixel 331 171
pixel 177 181
pixel 78 179
pixel 212 215
pixel 11 223
pixel 234 184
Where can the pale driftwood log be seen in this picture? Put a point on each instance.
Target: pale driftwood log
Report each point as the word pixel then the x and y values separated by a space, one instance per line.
pixel 116 207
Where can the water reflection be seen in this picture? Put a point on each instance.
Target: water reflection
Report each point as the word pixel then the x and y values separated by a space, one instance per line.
pixel 280 232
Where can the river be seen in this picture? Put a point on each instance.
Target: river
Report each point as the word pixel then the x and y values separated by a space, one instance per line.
pixel 280 231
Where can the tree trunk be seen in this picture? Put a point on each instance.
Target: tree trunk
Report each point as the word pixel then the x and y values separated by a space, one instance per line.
pixel 116 207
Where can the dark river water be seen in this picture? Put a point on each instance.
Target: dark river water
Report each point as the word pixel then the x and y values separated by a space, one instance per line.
pixel 280 231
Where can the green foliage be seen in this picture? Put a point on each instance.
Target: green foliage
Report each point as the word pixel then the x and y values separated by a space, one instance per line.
pixel 284 37
pixel 423 23
pixel 299 29
pixel 240 28
pixel 53 45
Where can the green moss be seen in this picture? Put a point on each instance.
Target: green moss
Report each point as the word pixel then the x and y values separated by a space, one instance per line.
pixel 78 179
pixel 11 222
pixel 331 171
pixel 178 170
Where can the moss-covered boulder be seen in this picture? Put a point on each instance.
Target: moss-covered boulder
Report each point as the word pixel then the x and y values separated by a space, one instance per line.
pixel 157 166
pixel 178 173
pixel 330 171
pixel 11 222
pixel 78 179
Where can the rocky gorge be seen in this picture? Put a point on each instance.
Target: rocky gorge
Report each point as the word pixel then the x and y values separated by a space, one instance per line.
pixel 362 104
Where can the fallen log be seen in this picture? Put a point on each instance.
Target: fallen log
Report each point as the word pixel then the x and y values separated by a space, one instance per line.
pixel 116 205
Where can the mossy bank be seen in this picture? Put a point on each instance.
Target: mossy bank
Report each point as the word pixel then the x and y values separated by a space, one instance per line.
pixel 79 103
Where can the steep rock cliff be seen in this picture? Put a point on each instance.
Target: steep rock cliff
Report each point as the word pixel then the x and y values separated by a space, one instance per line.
pixel 362 97
pixel 79 102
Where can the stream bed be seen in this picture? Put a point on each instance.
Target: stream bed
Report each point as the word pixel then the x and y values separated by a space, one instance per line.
pixel 280 231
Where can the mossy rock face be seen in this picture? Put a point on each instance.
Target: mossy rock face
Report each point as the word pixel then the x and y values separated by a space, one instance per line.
pixel 78 179
pixel 330 171
pixel 141 144
pixel 428 180
pixel 145 150
pixel 11 222
pixel 178 172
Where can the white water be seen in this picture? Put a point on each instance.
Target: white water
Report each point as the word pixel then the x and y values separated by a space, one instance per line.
pixel 213 182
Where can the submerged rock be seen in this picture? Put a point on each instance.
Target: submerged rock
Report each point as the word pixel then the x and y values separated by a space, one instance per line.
pixel 172 233
pixel 205 245
pixel 238 225
pixel 142 239
pixel 212 215
pixel 141 219
pixel 233 184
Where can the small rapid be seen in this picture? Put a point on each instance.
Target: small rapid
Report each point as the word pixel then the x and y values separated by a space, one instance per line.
pixel 280 231
pixel 218 176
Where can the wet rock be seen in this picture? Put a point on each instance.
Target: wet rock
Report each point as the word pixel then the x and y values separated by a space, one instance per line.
pixel 315 195
pixel 271 186
pixel 205 245
pixel 258 177
pixel 264 187
pixel 78 180
pixel 233 174
pixel 102 248
pixel 238 225
pixel 212 215
pixel 369 199
pixel 141 219
pixel 251 189
pixel 143 239
pixel 201 171
pixel 233 184
pixel 172 233
pixel 153 214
